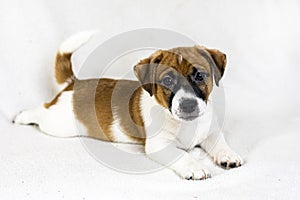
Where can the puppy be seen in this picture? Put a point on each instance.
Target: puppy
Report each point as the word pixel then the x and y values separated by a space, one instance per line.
pixel 174 83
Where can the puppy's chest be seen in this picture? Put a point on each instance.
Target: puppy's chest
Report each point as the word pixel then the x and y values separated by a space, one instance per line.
pixel 186 135
pixel 190 134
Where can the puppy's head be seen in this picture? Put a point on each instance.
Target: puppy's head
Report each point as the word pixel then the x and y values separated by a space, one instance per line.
pixel 181 79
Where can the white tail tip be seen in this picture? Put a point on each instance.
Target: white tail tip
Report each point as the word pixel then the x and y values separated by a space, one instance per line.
pixel 75 41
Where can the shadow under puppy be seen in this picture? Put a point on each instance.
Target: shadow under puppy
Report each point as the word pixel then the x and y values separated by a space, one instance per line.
pixel 176 82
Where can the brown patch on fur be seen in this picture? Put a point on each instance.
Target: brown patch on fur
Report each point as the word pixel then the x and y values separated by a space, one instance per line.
pixel 98 102
pixel 144 70
pixel 63 68
pixel 219 58
pixel 162 96
pixel 54 101
pixel 126 108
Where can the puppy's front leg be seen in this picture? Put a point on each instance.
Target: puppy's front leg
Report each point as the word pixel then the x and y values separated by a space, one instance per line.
pixel 216 146
pixel 163 150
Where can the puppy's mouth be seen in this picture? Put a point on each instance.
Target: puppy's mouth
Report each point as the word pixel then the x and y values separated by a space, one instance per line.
pixel 187 116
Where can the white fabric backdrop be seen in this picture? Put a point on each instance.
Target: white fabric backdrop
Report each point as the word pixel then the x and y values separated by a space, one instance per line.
pixel 261 40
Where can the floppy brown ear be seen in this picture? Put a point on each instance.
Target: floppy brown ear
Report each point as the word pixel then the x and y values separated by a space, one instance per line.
pixel 219 59
pixel 144 71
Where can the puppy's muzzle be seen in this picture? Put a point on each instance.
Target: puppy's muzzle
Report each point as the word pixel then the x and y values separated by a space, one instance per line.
pixel 188 105
pixel 188 109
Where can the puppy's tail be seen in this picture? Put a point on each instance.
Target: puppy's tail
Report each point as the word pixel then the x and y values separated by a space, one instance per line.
pixel 63 64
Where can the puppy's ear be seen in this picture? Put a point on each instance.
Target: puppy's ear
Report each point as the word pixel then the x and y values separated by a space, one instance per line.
pixel 219 65
pixel 144 71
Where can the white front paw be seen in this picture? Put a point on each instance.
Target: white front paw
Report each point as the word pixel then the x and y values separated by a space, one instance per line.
pixel 228 159
pixel 191 171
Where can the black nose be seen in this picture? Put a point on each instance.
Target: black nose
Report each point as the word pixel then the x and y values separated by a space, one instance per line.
pixel 188 105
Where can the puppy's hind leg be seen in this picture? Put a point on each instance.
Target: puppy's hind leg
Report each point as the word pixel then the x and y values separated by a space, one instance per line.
pixel 29 117
pixel 57 119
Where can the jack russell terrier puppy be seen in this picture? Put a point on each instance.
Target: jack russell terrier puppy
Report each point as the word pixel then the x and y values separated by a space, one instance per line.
pixel 177 82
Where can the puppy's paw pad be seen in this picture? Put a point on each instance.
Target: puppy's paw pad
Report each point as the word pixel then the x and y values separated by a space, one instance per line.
pixel 229 159
pixel 193 172
pixel 196 175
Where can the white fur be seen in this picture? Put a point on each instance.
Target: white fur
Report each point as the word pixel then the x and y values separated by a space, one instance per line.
pixel 176 137
pixel 216 146
pixel 159 121
pixel 59 120
pixel 168 140
pixel 75 41
pixel 156 118
pixel 189 168
pixel 119 135
pixel 181 94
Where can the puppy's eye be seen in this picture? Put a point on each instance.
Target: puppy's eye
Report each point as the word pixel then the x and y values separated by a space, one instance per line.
pixel 199 77
pixel 168 81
